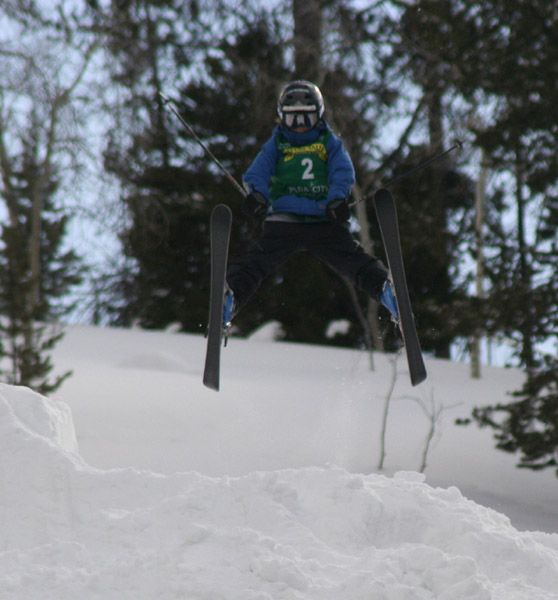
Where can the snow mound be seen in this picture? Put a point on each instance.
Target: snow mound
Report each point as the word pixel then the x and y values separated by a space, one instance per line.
pixel 34 416
pixel 69 530
pixel 268 332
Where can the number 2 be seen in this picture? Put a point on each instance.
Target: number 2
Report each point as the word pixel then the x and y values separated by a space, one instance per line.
pixel 307 162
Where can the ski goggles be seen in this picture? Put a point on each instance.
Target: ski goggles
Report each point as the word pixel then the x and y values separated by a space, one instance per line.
pixel 299 116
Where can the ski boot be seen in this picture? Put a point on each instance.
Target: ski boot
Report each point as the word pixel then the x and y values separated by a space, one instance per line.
pixel 387 299
pixel 228 312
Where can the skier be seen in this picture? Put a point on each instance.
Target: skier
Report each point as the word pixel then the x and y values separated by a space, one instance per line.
pixel 299 186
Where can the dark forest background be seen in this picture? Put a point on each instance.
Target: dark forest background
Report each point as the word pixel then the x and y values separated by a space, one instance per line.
pixel 402 79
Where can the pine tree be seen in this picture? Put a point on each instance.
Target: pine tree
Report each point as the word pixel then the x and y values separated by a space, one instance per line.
pixel 528 426
pixel 435 212
pixel 504 54
pixel 170 186
pixel 35 272
pixel 38 143
pixel 163 241
pixel 434 205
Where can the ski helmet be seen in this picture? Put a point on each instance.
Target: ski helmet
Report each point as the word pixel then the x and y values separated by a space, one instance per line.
pixel 300 104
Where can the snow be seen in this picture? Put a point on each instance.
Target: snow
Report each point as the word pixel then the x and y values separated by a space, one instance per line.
pixel 136 482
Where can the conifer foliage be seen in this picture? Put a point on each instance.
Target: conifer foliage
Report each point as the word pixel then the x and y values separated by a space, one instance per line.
pixel 529 426
pixel 500 60
pixel 434 68
pixel 36 273
pixel 36 141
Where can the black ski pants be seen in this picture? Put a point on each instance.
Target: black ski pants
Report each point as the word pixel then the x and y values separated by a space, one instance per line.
pixel 330 242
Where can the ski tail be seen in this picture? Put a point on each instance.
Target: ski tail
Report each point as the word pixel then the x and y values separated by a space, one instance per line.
pixel 220 230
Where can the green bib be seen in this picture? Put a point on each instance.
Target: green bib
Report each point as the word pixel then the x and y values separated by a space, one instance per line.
pixel 301 170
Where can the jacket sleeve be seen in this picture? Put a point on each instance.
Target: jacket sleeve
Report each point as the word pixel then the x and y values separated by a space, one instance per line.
pixel 341 173
pixel 259 173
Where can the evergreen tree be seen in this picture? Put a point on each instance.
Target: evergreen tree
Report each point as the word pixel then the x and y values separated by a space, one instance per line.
pixel 170 188
pixel 435 205
pixel 524 139
pixel 435 213
pixel 164 239
pixel 528 426
pixel 37 144
pixel 521 141
pixel 503 55
pixel 32 298
pixel 499 58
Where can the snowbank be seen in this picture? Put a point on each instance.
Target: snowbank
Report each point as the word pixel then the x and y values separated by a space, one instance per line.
pixel 72 531
pixel 137 400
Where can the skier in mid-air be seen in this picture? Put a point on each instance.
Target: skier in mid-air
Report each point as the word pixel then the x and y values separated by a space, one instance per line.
pixel 299 186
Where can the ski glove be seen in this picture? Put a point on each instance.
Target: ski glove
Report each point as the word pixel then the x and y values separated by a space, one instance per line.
pixel 254 207
pixel 338 210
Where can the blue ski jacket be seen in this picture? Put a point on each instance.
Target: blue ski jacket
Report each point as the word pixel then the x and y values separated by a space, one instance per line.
pixel 340 172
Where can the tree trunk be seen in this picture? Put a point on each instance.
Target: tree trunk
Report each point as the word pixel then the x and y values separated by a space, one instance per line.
pixel 479 277
pixel 307 15
pixel 368 246
pixel 435 124
pixel 157 85
pixel 526 326
pixel 439 212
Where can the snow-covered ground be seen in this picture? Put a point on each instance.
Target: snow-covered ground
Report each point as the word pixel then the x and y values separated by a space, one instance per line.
pixel 136 482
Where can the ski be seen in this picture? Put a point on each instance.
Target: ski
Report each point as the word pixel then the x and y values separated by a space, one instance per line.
pixel 220 230
pixel 386 213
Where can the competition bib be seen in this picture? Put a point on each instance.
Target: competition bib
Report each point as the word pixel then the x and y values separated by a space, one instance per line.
pixel 301 170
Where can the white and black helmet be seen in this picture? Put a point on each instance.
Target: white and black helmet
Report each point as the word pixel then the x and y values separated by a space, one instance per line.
pixel 300 104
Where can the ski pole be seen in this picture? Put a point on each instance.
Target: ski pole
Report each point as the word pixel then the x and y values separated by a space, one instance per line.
pixel 172 107
pixel 421 165
pixel 424 163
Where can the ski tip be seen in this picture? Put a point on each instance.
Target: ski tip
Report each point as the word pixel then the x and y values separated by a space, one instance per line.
pixel 382 193
pixel 221 209
pixel 383 199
